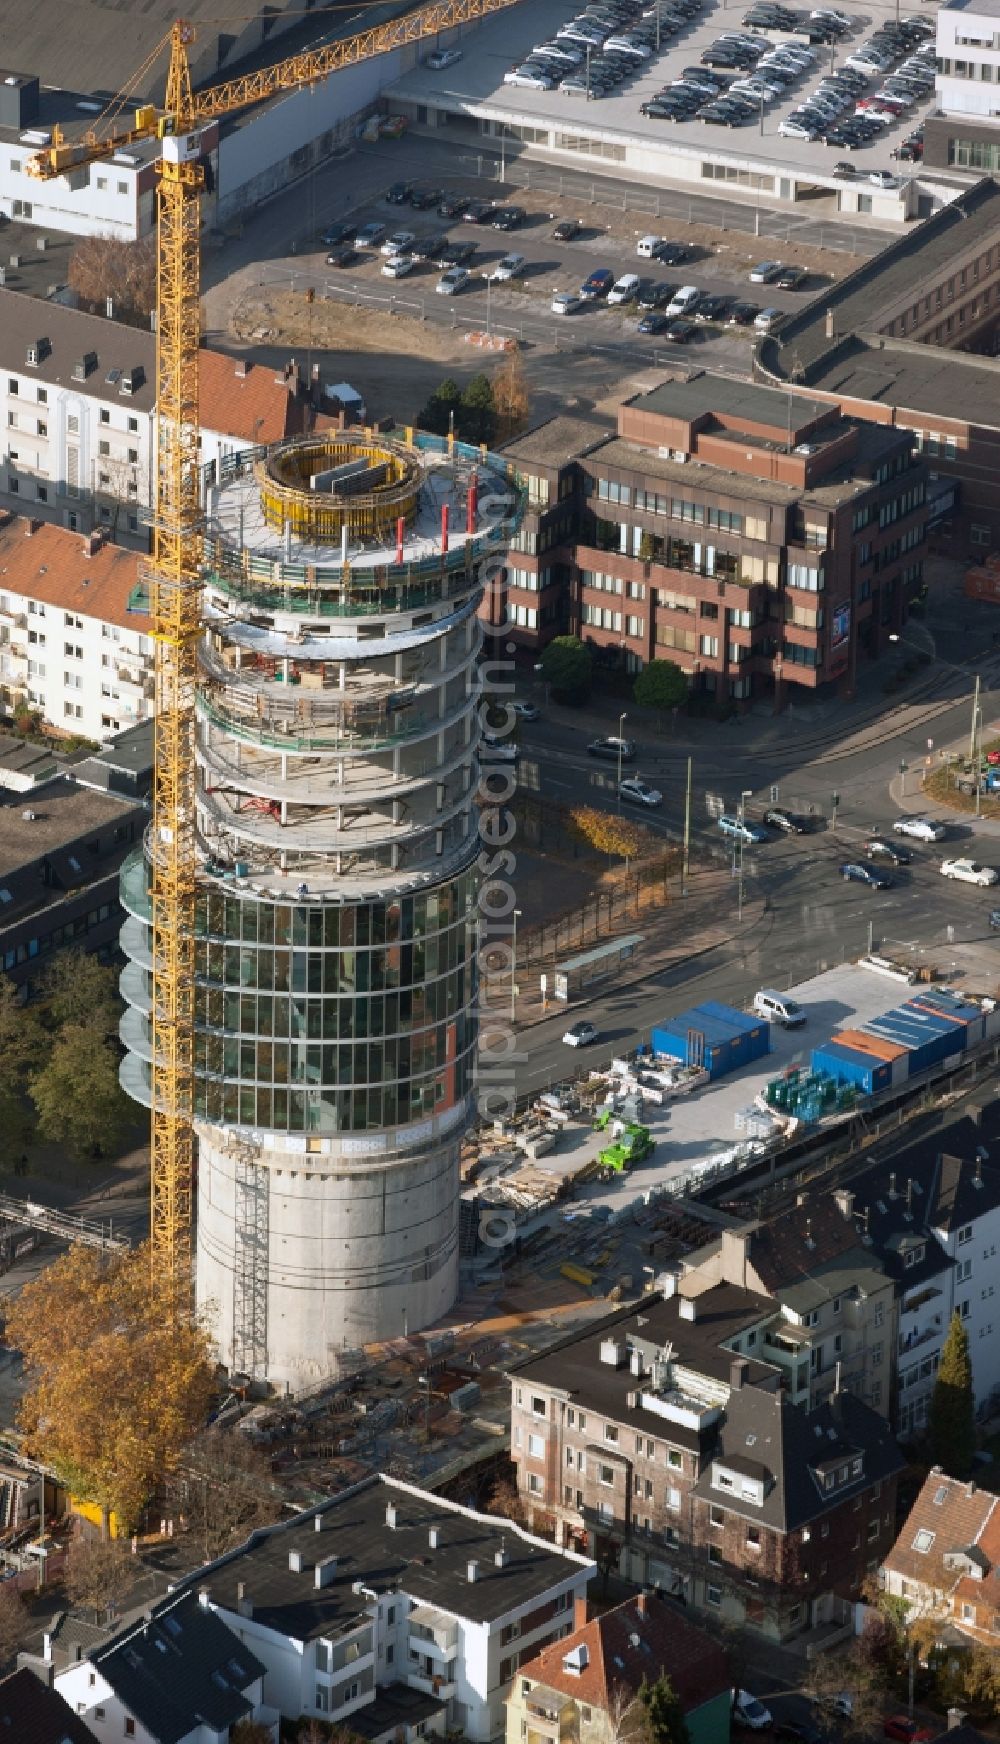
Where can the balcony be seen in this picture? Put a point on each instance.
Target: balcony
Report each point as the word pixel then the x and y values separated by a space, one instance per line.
pixel 435 1635
pixel 432 1684
pixel 913 1340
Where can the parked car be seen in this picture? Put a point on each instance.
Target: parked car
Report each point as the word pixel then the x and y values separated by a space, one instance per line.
pixel 905 1730
pixel 612 748
pixel 566 230
pixel 422 199
pixel 681 332
pixel 369 234
pixel 969 872
pixel 400 242
pixel 743 314
pixel 342 257
pixel 857 872
pixel 640 792
pixel 744 831
pixel 397 266
pixel 598 283
pixel 507 268
pixel 778 818
pixel 791 278
pixel 398 194
pixel 748 1711
pixel 452 281
pixel 527 711
pixel 765 272
pixel 508 217
pixel 335 234
pixel 877 848
pixel 439 58
pixel 923 829
pixel 566 302
pixel 580 1035
pixel 767 320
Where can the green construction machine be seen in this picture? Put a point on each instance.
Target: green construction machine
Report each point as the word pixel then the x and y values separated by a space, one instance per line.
pixel 633 1146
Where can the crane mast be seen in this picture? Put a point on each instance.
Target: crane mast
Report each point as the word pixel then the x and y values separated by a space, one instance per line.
pixel 175 577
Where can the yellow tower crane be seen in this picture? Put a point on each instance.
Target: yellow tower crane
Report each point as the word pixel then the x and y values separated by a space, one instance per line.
pixel 176 591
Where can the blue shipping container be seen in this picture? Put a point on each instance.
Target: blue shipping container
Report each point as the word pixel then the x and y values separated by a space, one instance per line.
pixel 850 1066
pixel 712 1035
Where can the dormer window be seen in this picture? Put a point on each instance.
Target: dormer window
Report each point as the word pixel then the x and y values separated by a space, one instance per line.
pixel 923 1541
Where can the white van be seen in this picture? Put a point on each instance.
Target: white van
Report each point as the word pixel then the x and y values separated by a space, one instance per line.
pixel 625 289
pixel 685 299
pixel 648 247
pixel 778 1008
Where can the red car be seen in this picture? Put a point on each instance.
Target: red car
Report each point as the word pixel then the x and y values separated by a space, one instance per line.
pixel 905 1730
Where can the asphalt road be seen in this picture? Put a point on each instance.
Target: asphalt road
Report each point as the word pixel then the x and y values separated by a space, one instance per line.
pixel 814 918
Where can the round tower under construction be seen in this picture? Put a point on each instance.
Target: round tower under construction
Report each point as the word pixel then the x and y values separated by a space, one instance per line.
pixel 336 743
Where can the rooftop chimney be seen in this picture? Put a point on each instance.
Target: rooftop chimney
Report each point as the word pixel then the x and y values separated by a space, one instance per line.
pixel 739 1373
pixel 203 1597
pixel 580 1609
pixel 501 1557
pixel 243 1605
pixel 687 1308
pixel 472 1570
pixel 844 1201
pixel 641 1604
pixel 892 1185
pixel 970 1488
pixel 324 1571
pixel 296 1561
pixel 434 1537
pixel 242 368
pixel 830 325
pixel 390 1516
pixel 317 1522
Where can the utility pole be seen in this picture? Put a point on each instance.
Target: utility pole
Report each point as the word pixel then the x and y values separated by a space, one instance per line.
pixel 975 736
pixel 687 832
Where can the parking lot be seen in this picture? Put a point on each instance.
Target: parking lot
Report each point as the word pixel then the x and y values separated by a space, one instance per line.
pixel 755 157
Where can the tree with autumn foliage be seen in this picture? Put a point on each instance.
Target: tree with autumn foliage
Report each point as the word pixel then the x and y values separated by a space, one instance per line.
pixel 98 1576
pixel 511 399
pixel 117 1386
pixel 607 832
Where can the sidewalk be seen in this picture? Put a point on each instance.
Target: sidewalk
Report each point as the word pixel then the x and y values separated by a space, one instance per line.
pixel 686 928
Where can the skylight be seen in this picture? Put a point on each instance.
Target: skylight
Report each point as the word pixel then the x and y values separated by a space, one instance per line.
pixel 940 1495
pixel 923 1541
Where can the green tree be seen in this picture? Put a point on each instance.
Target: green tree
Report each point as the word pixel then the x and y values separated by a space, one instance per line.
pixel 951 1421
pixel 77 1096
pixel 661 685
pixel 665 1723
pixel 567 665
pixel 444 402
pixel 78 989
pixel 476 418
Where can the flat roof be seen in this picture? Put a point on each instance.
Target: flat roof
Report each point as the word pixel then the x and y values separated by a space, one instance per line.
pixel 923 256
pixel 705 393
pixel 913 377
pixel 980 8
pixel 474 87
pixel 372 1554
pixel 839 486
pixel 557 441
pixel 52 817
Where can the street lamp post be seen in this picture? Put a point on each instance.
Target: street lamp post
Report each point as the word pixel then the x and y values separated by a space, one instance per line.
pixel 513 964
pixel 744 796
pixel 622 718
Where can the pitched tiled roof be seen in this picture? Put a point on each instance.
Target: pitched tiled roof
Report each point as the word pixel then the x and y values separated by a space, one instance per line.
pixel 54 565
pixel 951 1516
pixel 636 1642
pixel 801 1240
pixel 250 401
pixel 32 1713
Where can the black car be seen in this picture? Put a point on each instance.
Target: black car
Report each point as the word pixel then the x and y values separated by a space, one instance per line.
pixel 743 314
pixel 335 234
pixel 673 253
pixel 508 217
pixel 424 198
pixel 655 296
pixel 653 324
pixel 451 205
pixel 477 212
pixel 791 278
pixel 429 247
pixel 455 254
pixel 398 194
pixel 567 230
pixel 682 332
pixel 780 819
pixel 345 256
pixel 712 309
pixel 861 873
pixel 880 848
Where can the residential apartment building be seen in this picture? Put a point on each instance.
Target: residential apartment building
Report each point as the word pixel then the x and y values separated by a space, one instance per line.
pixel 835 1307
pixel 175 1676
pixel 945 1563
pixel 664 1440
pixel 758 541
pixel 77 424
pixel 61 850
pixel 30 1710
pixel 579 1690
pixel 387 1594
pixel 75 641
